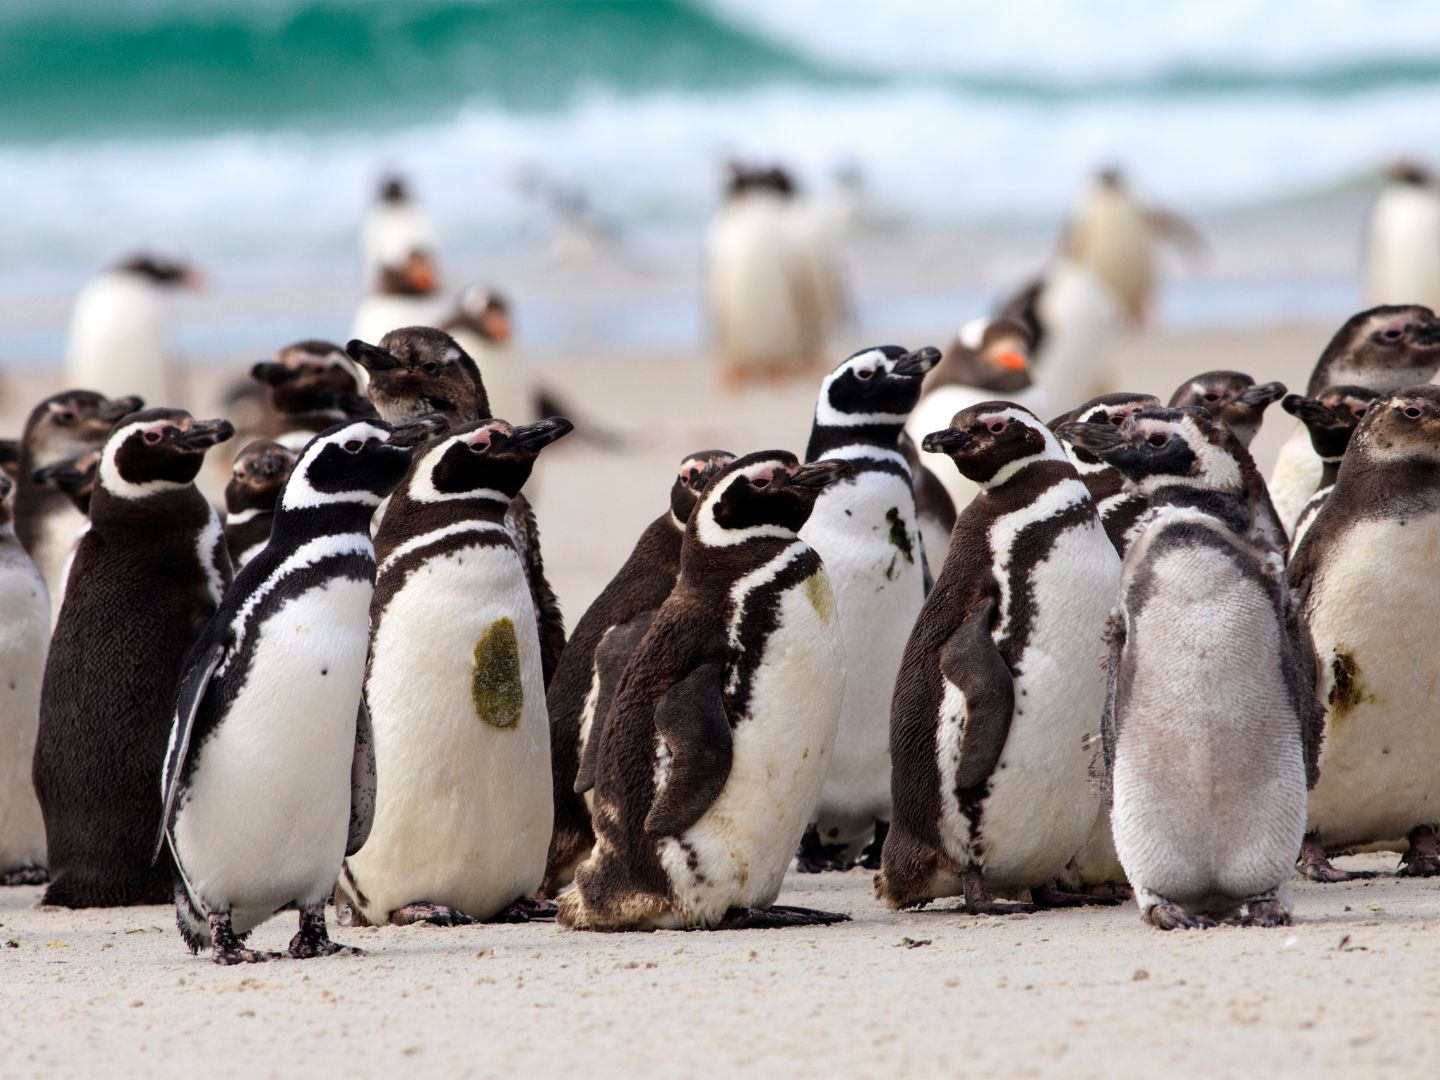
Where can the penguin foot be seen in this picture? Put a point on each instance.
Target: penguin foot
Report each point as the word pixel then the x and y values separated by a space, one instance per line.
pixel 1266 912
pixel 313 939
pixel 1168 915
pixel 870 857
pixel 816 857
pixel 527 909
pixel 434 914
pixel 778 917
pixel 1315 866
pixel 1050 895
pixel 25 875
pixel 999 907
pixel 1423 858
pixel 225 946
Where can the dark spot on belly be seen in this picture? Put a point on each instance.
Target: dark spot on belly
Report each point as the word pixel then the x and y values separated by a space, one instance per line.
pixel 1348 690
pixel 899 534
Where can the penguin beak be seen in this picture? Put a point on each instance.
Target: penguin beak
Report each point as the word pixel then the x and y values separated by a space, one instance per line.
pixel 273 374
pixel 1427 334
pixel 947 441
pixel 1009 359
pixel 1262 394
pixel 820 474
pixel 61 474
pixel 1306 410
pixel 1099 439
pixel 203 434
pixel 421 429
pixel 370 357
pixel 918 362
pixel 118 408
pixel 535 437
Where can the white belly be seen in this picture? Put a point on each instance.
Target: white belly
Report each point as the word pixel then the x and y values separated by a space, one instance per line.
pixel 1404 256
pixel 24 636
pixel 750 284
pixel 866 534
pixel 464 809
pixel 1295 477
pixel 1378 774
pixel 60 533
pixel 1043 801
pixel 266 816
pixel 119 340
pixel 377 314
pixel 745 841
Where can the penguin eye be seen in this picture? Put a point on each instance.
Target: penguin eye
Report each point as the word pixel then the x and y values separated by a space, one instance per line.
pixel 1158 439
pixel 430 367
pixel 1412 412
pixel 479 447
pixel 152 437
pixel 864 373
pixel 65 417
pixel 353 446
pixel 760 481
pixel 1393 333
pixel 1212 396
pixel 997 426
pixel 1117 420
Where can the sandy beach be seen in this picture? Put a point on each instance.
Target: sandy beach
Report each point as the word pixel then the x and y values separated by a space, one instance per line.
pixel 1346 990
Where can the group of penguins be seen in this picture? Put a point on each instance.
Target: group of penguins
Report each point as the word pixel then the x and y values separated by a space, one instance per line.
pixel 1128 665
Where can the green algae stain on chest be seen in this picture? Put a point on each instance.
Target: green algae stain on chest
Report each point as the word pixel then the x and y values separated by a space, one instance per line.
pixel 495 687
pixel 817 591
pixel 900 535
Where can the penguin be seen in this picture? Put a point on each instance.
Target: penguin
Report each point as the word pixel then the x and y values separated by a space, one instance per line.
pixel 865 530
pixel 148 573
pixel 259 475
pixel 720 731
pixel 1119 505
pixel 934 509
pixel 1362 574
pixel 1331 419
pixel 420 370
pixel 464 840
pixel 310 386
pixel 394 225
pixel 76 480
pixel 401 280
pixel 59 429
pixel 972 369
pixel 1210 723
pixel 24 635
pixel 119 335
pixel 1113 235
pixel 269 774
pixel 1381 349
pixel 596 655
pixel 1238 402
pixel 1402 256
pixel 480 325
pixel 1001 682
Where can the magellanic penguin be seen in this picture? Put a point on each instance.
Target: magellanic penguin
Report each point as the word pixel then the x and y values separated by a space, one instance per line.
pixel 1238 402
pixel 1331 419
pixel 61 428
pixel 1403 238
pixel 1119 505
pixel 719 735
pixel 147 574
pixel 310 386
pixel 401 281
pixel 260 472
pixel 119 340
pixel 596 656
pixel 463 805
pixel 1207 766
pixel 1362 575
pixel 1001 681
pixel 992 365
pixel 77 481
pixel 24 635
pixel 1382 350
pixel 269 777
pixel 864 528
pixel 421 370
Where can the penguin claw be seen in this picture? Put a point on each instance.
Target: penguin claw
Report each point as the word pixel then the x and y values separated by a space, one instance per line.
pixel 241 955
pixel 527 909
pixel 778 917
pixel 1268 913
pixel 433 914
pixel 1168 915
pixel 1423 857
pixel 1320 870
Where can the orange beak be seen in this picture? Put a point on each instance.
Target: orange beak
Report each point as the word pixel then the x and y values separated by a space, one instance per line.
pixel 1010 360
pixel 422 275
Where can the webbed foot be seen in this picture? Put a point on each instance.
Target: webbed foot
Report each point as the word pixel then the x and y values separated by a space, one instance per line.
pixel 313 939
pixel 778 917
pixel 1316 866
pixel 225 946
pixel 434 914
pixel 1423 858
pixel 25 875
pixel 815 857
pixel 1265 911
pixel 1168 915
pixel 527 909
pixel 1050 895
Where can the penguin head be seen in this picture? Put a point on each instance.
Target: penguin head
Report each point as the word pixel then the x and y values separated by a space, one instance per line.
pixel 1332 417
pixel 420 370
pixel 1383 348
pixel 1232 397
pixel 259 474
pixel 766 494
pixel 163 270
pixel 693 477
pixel 1403 427
pixel 991 355
pixel 358 462
pixel 157 450
pixel 991 441
pixel 76 478
pixel 876 386
pixel 484 311
pixel 486 458
pixel 308 376
pixel 1160 447
pixel 1113 409
pixel 66 425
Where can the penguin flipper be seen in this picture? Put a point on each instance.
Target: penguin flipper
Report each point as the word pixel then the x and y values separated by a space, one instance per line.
pixel 611 656
pixel 691 718
pixel 1115 638
pixel 190 693
pixel 974 665
pixel 362 783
